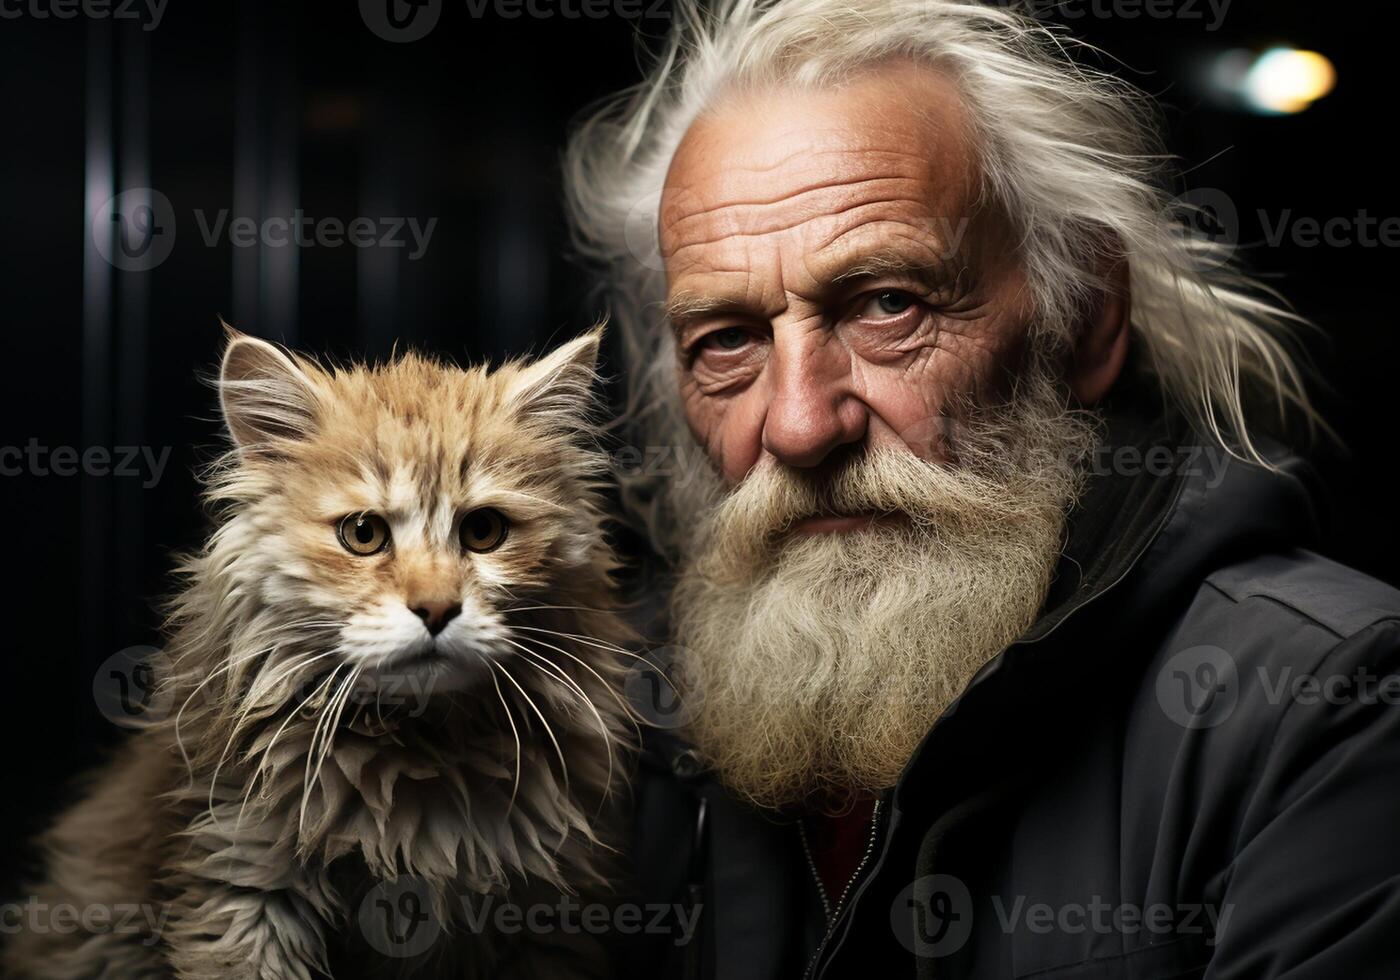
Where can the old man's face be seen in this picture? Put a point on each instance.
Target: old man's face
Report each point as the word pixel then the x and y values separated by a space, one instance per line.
pixel 895 456
pixel 833 281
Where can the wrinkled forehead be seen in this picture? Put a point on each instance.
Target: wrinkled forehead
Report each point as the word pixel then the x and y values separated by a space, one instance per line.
pixel 812 169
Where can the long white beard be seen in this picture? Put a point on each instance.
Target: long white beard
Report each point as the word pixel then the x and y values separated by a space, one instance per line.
pixel 814 665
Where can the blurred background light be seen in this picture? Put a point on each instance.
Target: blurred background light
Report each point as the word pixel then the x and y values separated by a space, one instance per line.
pixel 1281 80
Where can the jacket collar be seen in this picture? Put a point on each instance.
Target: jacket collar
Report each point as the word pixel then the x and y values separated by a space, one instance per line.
pixel 1135 478
pixel 1160 503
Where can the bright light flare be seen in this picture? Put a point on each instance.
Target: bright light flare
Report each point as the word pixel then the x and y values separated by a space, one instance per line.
pixel 1280 81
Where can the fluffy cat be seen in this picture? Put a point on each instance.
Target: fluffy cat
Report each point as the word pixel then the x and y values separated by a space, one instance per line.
pixel 393 663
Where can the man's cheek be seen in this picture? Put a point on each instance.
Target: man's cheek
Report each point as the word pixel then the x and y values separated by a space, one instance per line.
pixel 907 409
pixel 729 430
pixel 703 417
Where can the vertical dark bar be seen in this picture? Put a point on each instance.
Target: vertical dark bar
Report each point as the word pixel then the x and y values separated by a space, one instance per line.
pixel 247 167
pixel 282 109
pixel 266 161
pixel 377 270
pixel 133 316
pixel 99 187
pixel 518 269
pixel 418 193
pixel 522 273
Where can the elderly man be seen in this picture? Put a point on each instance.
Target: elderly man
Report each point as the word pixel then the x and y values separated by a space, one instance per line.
pixel 999 652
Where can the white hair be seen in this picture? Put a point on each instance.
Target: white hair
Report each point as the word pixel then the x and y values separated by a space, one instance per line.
pixel 1070 154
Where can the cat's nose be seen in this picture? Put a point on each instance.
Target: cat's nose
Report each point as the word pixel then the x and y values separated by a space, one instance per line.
pixel 436 615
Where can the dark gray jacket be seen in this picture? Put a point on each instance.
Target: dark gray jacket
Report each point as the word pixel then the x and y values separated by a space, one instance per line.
pixel 1189 767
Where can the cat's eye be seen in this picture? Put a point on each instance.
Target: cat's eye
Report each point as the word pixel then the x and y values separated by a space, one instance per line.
pixel 364 534
pixel 483 529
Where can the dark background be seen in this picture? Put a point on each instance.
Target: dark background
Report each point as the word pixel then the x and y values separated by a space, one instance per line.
pixel 263 107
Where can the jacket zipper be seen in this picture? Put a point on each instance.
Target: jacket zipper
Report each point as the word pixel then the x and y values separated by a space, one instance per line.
pixel 834 913
pixel 1136 560
pixel 1131 566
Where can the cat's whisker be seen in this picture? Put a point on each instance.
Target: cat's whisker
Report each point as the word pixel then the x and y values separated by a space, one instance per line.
pixel 316 736
pixel 296 663
pixel 298 623
pixel 628 711
pixel 275 674
pixel 510 717
pixel 280 637
pixel 291 716
pixel 334 711
pixel 536 661
pixel 543 502
pixel 179 715
pixel 543 721
pixel 236 731
pixel 632 714
pixel 339 702
pixel 586 640
pixel 570 682
pixel 246 696
pixel 550 606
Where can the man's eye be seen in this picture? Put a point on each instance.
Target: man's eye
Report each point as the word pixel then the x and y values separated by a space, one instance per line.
pixel 730 338
pixel 891 302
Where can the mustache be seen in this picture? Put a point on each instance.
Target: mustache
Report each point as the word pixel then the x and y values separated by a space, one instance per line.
pixel 989 469
pixel 935 499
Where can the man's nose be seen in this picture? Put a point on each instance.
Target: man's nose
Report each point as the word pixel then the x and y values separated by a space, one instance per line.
pixel 813 410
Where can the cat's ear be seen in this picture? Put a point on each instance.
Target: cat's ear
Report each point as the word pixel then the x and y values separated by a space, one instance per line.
pixel 558 388
pixel 266 397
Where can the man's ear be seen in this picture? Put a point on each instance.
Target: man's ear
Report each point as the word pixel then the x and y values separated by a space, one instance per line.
pixel 558 388
pixel 1102 346
pixel 266 397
